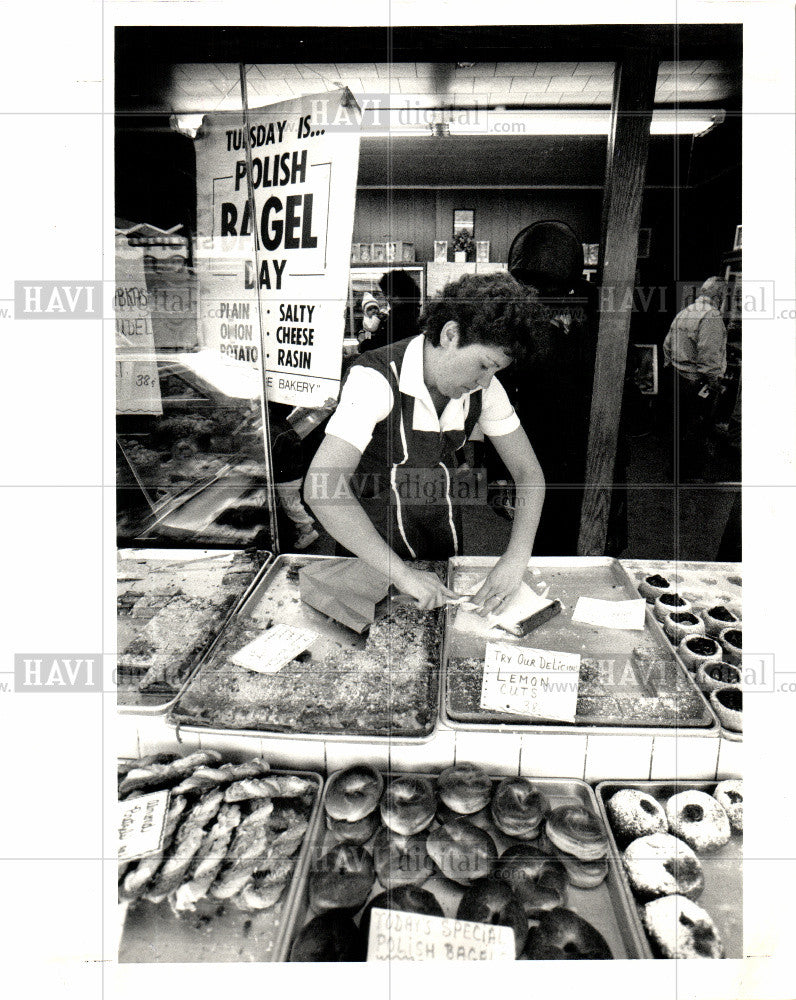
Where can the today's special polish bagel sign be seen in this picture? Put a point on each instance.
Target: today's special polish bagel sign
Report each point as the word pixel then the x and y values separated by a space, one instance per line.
pixel 304 158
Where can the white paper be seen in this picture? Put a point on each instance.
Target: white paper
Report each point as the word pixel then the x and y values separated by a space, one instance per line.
pixel 270 651
pixel 524 603
pixel 416 937
pixel 611 614
pixel 535 683
pixel 141 825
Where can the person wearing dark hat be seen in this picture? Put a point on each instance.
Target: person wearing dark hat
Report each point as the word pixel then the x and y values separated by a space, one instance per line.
pixel 382 482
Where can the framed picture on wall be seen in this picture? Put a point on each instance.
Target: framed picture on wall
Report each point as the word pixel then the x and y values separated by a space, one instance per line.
pixel 440 251
pixel 463 221
pixel 482 251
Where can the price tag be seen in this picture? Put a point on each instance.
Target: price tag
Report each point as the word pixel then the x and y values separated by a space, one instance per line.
pixel 415 937
pixel 538 683
pixel 270 651
pixel 610 614
pixel 141 825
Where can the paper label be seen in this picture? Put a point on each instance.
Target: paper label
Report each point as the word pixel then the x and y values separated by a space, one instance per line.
pixel 415 937
pixel 137 382
pixel 270 651
pixel 539 683
pixel 610 614
pixel 141 825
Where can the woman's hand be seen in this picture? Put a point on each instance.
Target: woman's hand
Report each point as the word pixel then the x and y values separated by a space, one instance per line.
pixel 426 588
pixel 501 583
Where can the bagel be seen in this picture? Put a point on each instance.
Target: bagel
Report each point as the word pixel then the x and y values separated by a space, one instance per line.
pixel 518 808
pixel 731 640
pixel 698 819
pixel 727 703
pixel 401 860
pixel 653 586
pixel 341 879
pixel 661 865
pixel 354 793
pixel 358 832
pixel 729 795
pixel 562 934
pixel 718 618
pixel 679 624
pixel 712 676
pixel 669 603
pixel 537 879
pixel 491 901
pixel 406 898
pixel 462 851
pixel 329 937
pixel 445 814
pixel 679 928
pixel 633 813
pixel 695 650
pixel 464 788
pixel 584 874
pixel 408 805
pixel 577 830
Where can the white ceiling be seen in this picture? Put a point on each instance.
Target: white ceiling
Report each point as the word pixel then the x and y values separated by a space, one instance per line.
pixel 214 86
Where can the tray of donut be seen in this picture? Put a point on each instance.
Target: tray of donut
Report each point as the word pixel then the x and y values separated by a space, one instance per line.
pixel 681 847
pixel 531 855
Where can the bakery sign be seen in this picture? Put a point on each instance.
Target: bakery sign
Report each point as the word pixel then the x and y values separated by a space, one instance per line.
pixel 291 259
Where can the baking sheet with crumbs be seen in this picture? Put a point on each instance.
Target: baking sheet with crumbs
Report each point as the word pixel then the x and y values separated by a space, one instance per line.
pixel 615 688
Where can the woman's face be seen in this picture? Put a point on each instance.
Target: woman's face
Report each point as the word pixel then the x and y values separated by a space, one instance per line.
pixel 464 369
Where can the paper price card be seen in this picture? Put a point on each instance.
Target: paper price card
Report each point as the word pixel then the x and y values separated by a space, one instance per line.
pixel 141 825
pixel 414 937
pixel 610 614
pixel 539 683
pixel 270 651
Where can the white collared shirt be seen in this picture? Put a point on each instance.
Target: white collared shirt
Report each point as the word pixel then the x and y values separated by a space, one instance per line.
pixel 367 399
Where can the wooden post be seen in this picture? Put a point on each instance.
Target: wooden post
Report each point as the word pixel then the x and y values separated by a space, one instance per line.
pixel 628 143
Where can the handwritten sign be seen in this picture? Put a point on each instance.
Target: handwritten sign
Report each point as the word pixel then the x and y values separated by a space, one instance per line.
pixel 270 651
pixel 610 614
pixel 137 383
pixel 141 825
pixel 536 683
pixel 415 937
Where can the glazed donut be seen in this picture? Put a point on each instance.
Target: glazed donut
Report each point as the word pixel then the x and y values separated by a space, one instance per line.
pixel 464 788
pixel 490 901
pixel 727 703
pixel 358 832
pixel 718 618
pixel 537 879
pixel 462 851
pixel 584 874
pixel 354 793
pixel 712 676
pixel 578 831
pixel 408 805
pixel 731 640
pixel 401 860
pixel 698 819
pixel 653 586
pixel 679 928
pixel 407 899
pixel 329 937
pixel 518 808
pixel 341 879
pixel 562 934
pixel 695 650
pixel 729 795
pixel 679 624
pixel 661 865
pixel 669 603
pixel 634 813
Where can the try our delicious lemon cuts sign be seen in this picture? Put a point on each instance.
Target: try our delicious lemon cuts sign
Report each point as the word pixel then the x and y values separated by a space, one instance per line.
pixel 289 257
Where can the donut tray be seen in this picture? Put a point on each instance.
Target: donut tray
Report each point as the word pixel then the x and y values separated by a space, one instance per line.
pixel 607 907
pixel 277 598
pixel 632 704
pixel 181 562
pixel 706 584
pixel 218 932
pixel 722 896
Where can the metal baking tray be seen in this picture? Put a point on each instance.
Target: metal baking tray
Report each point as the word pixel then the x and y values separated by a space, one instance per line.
pixel 706 584
pixel 276 597
pixel 606 907
pixel 153 933
pixel 569 578
pixel 722 896
pixel 133 702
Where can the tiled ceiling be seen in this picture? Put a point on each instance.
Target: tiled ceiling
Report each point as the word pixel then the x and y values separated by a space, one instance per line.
pixel 199 87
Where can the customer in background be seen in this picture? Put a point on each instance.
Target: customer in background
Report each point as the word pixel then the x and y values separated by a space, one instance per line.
pixel 695 352
pixel 399 314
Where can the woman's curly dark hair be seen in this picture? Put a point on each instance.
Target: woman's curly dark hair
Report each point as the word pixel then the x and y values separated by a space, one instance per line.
pixel 489 309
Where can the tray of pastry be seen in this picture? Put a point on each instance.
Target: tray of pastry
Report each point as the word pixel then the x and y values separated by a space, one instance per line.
pixel 629 680
pixel 236 842
pixel 709 594
pixel 383 685
pixel 682 862
pixel 171 605
pixel 445 862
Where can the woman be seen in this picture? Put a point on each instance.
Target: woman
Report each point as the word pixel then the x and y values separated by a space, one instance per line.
pixel 381 481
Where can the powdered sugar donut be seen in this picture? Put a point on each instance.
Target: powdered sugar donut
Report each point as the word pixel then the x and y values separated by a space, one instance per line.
pixel 698 819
